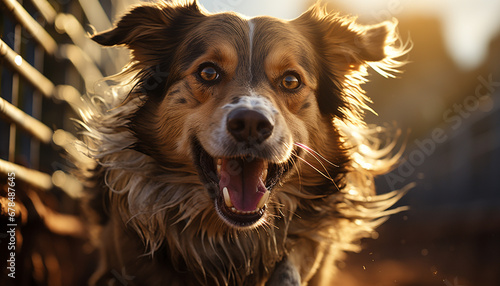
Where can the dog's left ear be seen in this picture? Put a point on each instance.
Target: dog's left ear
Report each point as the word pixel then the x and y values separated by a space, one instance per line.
pixel 341 37
pixel 371 41
pixel 344 49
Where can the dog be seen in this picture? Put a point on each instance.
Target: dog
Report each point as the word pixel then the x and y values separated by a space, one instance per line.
pixel 232 150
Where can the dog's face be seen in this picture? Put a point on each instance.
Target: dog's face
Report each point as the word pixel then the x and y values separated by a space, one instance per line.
pixel 237 99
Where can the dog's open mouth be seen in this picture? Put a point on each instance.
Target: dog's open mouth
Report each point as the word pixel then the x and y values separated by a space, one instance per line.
pixel 241 186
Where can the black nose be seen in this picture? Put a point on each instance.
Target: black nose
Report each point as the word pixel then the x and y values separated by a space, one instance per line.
pixel 247 125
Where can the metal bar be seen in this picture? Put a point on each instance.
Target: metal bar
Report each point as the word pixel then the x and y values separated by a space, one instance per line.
pixel 26 122
pixel 32 75
pixel 48 12
pixel 83 64
pixel 69 184
pixel 75 149
pixel 35 178
pixel 31 25
pixel 72 96
pixel 119 7
pixel 36 110
pixel 14 96
pixel 67 23
pixel 96 15
pixel 45 182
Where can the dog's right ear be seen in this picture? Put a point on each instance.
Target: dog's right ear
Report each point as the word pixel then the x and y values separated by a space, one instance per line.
pixel 151 27
pixel 133 26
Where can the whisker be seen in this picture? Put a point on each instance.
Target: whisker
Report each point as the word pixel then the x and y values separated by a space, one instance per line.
pixel 317 170
pixel 269 225
pixel 309 150
pixel 294 153
pixel 313 154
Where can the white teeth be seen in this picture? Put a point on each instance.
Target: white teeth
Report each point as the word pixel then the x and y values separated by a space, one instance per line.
pixel 264 175
pixel 257 210
pixel 234 210
pixel 227 199
pixel 219 165
pixel 263 200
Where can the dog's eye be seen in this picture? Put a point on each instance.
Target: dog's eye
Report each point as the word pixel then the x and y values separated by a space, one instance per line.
pixel 208 73
pixel 290 82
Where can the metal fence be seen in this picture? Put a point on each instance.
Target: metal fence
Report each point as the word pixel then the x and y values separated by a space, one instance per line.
pixel 47 62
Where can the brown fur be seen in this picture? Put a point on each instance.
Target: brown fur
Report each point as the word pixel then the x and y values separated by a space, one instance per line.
pixel 158 221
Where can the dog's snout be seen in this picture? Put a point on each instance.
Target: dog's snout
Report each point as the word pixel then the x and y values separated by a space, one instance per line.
pixel 247 125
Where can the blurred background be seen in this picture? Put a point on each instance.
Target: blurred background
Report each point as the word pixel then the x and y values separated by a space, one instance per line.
pixel 447 99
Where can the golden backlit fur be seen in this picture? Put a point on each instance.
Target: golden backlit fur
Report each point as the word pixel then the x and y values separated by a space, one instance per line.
pixel 157 220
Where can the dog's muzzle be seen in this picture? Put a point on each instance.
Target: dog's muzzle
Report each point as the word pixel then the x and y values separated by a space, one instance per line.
pixel 241 173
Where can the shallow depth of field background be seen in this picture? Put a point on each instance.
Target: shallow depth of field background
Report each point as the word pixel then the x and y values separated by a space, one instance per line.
pixel 447 102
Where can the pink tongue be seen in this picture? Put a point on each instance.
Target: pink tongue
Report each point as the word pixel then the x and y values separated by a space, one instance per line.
pixel 243 181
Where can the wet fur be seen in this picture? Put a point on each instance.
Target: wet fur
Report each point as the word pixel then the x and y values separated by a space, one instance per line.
pixel 155 220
